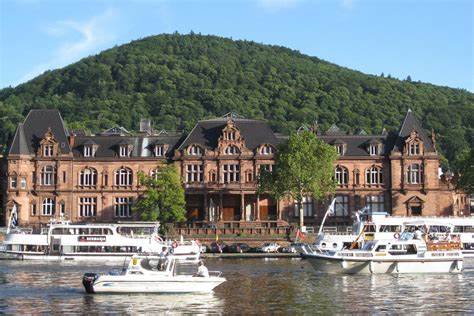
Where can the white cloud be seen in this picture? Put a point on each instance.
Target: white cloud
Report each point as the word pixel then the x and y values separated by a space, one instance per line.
pixel 92 34
pixel 276 5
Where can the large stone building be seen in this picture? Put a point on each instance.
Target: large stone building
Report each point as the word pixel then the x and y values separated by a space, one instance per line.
pixel 53 172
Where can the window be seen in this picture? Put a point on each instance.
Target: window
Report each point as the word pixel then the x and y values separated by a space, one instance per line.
pixel 414 174
pixel 88 177
pixel 47 208
pixel 123 206
pixel 47 175
pixel 154 173
pixel 212 176
pixel 123 177
pixel 231 173
pixel 194 150
pixel 266 150
pixel 33 209
pixel 229 135
pixel 414 149
pixel 62 208
pixel 47 150
pixel 356 177
pixel 341 175
pixel 159 150
pixel 64 177
pixel 373 175
pixel 88 151
pixel 373 150
pixel 248 176
pixel 307 207
pixel 375 203
pixel 339 149
pixel 123 151
pixel 87 206
pixel 266 167
pixel 13 181
pixel 23 182
pixel 232 150
pixel 194 173
pixel 342 205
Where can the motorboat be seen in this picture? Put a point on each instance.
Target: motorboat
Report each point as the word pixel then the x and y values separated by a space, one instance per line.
pixel 62 240
pixel 391 256
pixel 153 274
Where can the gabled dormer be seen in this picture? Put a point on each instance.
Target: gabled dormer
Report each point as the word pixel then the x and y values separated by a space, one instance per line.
pixel 266 150
pixel 48 146
pixel 194 150
pixel 159 150
pixel 413 145
pixel 340 146
pixel 231 141
pixel 374 147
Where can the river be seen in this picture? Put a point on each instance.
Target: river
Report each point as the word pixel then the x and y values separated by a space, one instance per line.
pixel 254 286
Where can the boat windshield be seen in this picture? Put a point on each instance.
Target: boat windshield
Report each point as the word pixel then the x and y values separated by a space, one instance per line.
pixel 368 246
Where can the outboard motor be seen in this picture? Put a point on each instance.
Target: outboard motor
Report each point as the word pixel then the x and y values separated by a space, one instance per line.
pixel 88 281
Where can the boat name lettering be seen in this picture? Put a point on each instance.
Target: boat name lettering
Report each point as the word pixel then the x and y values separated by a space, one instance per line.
pixel 91 238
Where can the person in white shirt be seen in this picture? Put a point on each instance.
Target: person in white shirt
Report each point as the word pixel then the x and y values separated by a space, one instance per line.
pixel 202 270
pixel 418 234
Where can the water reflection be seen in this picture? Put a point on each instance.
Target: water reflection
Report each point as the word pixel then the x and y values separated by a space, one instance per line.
pixel 254 286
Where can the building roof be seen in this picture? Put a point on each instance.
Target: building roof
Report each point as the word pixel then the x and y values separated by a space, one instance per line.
pixel 356 145
pixel 411 123
pixel 29 134
pixel 207 132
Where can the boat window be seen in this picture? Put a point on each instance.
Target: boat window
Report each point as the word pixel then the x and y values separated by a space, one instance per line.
pixel 381 248
pixel 60 231
pixel 390 228
pixel 368 246
pixel 410 249
pixel 370 228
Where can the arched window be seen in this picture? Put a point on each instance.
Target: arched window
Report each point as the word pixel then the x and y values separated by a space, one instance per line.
pixel 47 208
pixel 266 150
pixel 414 173
pixel 373 175
pixel 231 150
pixel 13 181
pixel 194 150
pixel 212 176
pixel 48 175
pixel 123 177
pixel 248 176
pixel 341 175
pixel 88 177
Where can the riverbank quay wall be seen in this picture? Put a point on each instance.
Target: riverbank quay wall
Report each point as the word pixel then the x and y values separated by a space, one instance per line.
pixel 55 172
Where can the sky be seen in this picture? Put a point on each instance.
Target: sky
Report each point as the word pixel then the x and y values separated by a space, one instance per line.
pixel 429 40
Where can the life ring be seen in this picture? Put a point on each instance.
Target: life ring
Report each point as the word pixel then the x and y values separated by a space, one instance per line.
pixel 396 236
pixel 174 244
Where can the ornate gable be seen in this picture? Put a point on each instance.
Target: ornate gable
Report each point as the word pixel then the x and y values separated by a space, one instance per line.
pixel 231 141
pixel 48 145
pixel 413 144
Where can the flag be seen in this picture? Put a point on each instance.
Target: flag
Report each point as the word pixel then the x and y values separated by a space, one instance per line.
pixel 299 235
pixel 332 208
pixel 14 222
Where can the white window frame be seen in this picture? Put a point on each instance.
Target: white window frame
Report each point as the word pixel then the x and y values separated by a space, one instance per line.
pixel 266 150
pixel 376 203
pixel 48 175
pixel 194 150
pixel 194 173
pixel 13 182
pixel 159 150
pixel 231 173
pixel 123 177
pixel 48 150
pixel 87 206
pixel 123 151
pixel 47 207
pixel 88 151
pixel 231 150
pixel 414 149
pixel 122 206
pixel 414 173
pixel 341 174
pixel 308 207
pixel 374 176
pixel 88 177
pixel 373 150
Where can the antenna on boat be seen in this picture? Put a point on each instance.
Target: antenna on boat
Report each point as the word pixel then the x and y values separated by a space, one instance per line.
pixel 330 211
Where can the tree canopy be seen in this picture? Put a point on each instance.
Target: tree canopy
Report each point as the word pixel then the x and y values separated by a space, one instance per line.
pixel 163 199
pixel 303 168
pixel 465 167
pixel 178 79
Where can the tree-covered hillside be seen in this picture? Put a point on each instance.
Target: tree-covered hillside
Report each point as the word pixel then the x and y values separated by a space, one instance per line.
pixel 178 79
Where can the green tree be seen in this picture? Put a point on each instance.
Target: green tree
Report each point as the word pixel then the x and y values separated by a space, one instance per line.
pixel 163 199
pixel 465 167
pixel 304 166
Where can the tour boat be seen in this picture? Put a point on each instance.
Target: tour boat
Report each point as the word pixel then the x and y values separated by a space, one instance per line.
pixel 380 226
pixel 144 275
pixel 391 256
pixel 92 242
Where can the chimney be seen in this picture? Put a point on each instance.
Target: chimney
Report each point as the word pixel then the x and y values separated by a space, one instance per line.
pixel 72 134
pixel 145 125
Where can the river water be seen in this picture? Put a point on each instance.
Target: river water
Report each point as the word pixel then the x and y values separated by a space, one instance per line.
pixel 254 286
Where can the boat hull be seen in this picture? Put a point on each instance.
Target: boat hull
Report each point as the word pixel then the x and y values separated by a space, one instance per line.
pixel 119 284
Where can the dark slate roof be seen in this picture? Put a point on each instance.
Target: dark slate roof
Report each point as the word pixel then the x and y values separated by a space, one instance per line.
pixel 35 126
pixel 409 124
pixel 19 144
pixel 142 145
pixel 207 132
pixel 356 145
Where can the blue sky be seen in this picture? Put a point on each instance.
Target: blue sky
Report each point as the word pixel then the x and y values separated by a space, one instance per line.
pixel 431 41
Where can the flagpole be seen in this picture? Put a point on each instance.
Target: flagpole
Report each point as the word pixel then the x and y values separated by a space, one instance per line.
pixel 10 219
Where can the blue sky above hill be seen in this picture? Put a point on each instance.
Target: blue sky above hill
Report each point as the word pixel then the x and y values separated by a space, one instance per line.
pixel 430 40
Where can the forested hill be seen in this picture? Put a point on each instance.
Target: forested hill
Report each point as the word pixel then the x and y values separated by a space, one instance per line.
pixel 179 79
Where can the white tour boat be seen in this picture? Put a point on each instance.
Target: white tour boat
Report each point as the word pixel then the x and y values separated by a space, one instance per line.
pixel 391 256
pixel 382 226
pixel 100 242
pixel 144 275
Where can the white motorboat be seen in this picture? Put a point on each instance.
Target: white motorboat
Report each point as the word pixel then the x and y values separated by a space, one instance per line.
pixel 144 275
pixel 92 242
pixel 391 256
